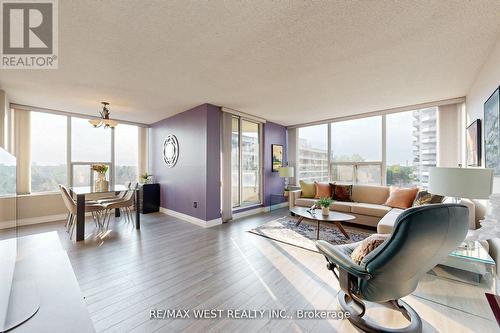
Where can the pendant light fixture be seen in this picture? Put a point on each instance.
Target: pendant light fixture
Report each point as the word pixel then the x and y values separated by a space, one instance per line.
pixel 104 120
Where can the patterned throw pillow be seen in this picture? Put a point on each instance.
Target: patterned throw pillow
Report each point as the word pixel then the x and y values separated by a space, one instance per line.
pixel 367 245
pixel 308 189
pixel 322 190
pixel 425 198
pixel 341 192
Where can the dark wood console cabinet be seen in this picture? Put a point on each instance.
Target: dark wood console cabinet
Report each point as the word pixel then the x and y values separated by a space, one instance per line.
pixel 149 198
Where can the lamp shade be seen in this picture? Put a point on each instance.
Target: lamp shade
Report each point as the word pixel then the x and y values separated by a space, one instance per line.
pixel 285 172
pixel 468 183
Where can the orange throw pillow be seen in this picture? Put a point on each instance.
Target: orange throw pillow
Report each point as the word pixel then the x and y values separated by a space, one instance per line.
pixel 401 197
pixel 322 190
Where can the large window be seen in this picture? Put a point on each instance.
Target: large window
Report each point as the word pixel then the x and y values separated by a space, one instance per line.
pixel 313 153
pixel 356 147
pixel 245 163
pixel 48 151
pixel 88 145
pixel 126 153
pixel 411 147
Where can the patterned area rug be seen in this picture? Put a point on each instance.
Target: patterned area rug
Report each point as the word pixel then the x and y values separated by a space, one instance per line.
pixel 284 230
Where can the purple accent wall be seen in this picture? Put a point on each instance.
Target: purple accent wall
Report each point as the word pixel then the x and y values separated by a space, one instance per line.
pixel 273 183
pixel 196 176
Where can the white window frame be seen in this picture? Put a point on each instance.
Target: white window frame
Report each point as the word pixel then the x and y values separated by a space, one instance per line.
pixel 70 163
pixel 240 167
pixel 331 163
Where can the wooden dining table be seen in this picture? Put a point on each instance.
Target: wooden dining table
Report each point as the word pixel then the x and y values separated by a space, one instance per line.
pixel 80 192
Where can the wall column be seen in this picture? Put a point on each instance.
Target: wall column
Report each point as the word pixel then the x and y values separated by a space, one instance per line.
pixel 292 155
pixel 143 150
pixel 449 136
pixel 22 150
pixel 3 113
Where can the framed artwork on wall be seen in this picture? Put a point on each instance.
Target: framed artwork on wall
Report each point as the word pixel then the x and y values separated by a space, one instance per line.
pixel 277 157
pixel 492 132
pixel 474 144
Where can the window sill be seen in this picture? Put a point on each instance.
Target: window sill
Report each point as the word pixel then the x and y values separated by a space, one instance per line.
pixel 39 194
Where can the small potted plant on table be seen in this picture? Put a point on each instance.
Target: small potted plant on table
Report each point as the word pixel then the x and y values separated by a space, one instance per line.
pixel 324 203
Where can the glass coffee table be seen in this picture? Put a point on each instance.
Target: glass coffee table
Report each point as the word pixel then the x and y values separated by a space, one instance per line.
pixel 315 215
pixel 469 263
pixel 461 280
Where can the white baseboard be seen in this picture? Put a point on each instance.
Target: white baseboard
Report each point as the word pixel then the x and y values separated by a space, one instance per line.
pixel 257 210
pixel 191 219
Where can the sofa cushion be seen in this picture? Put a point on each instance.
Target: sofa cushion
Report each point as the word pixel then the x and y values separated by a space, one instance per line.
pixel 341 192
pixel 386 224
pixel 305 202
pixel 323 190
pixel 340 206
pixel 401 197
pixel 424 198
pixel 308 189
pixel 370 209
pixel 370 194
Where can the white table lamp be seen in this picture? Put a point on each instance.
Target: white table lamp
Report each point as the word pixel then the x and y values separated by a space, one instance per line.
pixel 471 183
pixel 286 172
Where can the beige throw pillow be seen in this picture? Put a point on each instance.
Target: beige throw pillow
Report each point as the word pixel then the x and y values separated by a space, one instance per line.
pixel 368 245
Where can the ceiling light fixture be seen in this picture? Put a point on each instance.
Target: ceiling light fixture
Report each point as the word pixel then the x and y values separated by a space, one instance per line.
pixel 104 120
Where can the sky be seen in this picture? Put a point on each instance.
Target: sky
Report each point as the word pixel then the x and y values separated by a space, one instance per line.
pixel 48 140
pixel 364 137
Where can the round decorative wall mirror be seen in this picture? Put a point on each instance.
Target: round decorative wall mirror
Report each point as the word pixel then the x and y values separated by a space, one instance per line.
pixel 170 151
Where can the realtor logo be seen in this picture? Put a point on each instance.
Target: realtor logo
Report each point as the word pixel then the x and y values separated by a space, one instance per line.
pixel 29 34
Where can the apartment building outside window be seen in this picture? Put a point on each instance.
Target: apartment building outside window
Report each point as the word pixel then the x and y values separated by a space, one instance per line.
pixel 313 153
pixel 357 146
pixel 245 162
pixel 411 147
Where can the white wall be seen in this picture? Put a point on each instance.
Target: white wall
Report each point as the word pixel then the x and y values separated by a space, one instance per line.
pixel 487 80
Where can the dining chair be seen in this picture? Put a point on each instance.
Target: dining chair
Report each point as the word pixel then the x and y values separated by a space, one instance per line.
pixel 118 197
pixel 125 204
pixel 94 208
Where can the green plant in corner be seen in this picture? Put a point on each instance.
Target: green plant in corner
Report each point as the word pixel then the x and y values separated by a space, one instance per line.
pixel 324 202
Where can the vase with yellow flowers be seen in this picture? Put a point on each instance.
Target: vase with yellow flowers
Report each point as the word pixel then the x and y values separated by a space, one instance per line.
pixel 101 184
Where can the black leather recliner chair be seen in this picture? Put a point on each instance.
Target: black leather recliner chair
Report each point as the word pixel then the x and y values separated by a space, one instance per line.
pixel 422 237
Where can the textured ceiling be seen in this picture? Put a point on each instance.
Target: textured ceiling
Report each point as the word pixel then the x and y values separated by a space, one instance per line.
pixel 287 61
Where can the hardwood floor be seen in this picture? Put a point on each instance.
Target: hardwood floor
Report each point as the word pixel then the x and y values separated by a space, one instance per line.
pixel 172 264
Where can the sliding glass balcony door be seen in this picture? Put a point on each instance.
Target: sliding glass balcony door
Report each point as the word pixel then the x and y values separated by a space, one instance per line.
pixel 245 163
